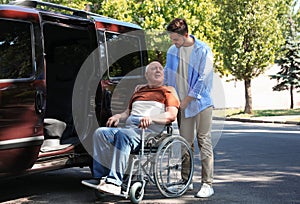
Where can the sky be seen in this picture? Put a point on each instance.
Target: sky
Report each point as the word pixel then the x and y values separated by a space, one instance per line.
pixel 297 5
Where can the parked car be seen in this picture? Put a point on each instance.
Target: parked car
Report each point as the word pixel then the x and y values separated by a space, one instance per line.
pixel 51 56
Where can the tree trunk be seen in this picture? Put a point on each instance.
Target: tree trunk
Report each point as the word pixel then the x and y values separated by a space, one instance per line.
pixel 248 97
pixel 292 96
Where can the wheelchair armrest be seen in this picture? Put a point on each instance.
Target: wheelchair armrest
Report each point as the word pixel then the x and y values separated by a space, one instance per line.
pixel 155 140
pixel 169 128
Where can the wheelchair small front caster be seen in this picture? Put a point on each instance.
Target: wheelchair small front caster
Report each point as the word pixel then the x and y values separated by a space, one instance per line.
pixel 137 192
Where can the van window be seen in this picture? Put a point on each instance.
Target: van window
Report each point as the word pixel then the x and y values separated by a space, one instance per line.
pixel 15 50
pixel 124 54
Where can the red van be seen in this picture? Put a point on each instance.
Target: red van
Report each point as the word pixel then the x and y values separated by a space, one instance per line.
pixel 59 69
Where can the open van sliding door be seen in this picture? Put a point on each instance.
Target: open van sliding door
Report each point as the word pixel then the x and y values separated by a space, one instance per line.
pixel 21 91
pixel 68 43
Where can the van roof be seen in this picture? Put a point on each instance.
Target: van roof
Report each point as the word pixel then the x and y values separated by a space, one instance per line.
pixel 31 6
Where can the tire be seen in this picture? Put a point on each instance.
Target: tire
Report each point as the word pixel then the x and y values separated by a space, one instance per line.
pixel 168 165
pixel 136 192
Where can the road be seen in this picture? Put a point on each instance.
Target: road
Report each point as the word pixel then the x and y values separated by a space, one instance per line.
pixel 254 163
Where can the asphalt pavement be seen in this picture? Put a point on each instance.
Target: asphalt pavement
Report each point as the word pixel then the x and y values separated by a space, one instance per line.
pixel 255 163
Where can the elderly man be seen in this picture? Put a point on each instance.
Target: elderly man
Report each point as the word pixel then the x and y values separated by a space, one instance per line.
pixel 150 107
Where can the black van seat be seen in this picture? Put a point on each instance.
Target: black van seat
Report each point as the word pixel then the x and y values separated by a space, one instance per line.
pixel 53 130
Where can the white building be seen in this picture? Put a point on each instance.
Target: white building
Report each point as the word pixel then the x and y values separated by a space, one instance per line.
pixel 232 94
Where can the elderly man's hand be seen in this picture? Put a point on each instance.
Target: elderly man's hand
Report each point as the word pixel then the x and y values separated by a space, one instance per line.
pixel 139 86
pixel 145 122
pixel 113 120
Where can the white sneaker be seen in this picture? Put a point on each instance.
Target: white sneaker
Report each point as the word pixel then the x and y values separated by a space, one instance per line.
pixel 205 191
pixel 191 187
pixel 109 188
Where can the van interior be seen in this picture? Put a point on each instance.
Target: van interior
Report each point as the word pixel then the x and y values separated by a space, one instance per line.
pixel 66 48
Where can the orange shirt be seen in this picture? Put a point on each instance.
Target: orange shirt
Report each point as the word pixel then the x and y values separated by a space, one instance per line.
pixel 163 94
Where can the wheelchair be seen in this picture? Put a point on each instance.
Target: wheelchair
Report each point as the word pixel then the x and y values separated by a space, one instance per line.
pixel 159 162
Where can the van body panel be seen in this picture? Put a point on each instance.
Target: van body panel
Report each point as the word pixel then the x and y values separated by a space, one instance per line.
pixel 41 54
pixel 103 22
pixel 21 117
pixel 17 12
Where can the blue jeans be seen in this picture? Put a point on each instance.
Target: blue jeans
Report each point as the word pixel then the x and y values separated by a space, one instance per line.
pixel 112 148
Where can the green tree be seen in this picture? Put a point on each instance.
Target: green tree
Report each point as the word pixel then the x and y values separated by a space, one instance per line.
pixel 250 37
pixel 4 1
pixel 154 15
pixel 288 77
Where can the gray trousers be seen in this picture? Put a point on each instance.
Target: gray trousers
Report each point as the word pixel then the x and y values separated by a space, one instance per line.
pixel 202 122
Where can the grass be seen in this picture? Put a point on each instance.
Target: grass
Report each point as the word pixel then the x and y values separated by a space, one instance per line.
pixel 238 113
pixel 257 113
pixel 262 113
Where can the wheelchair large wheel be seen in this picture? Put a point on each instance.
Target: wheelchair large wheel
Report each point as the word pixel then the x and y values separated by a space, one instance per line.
pixel 171 153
